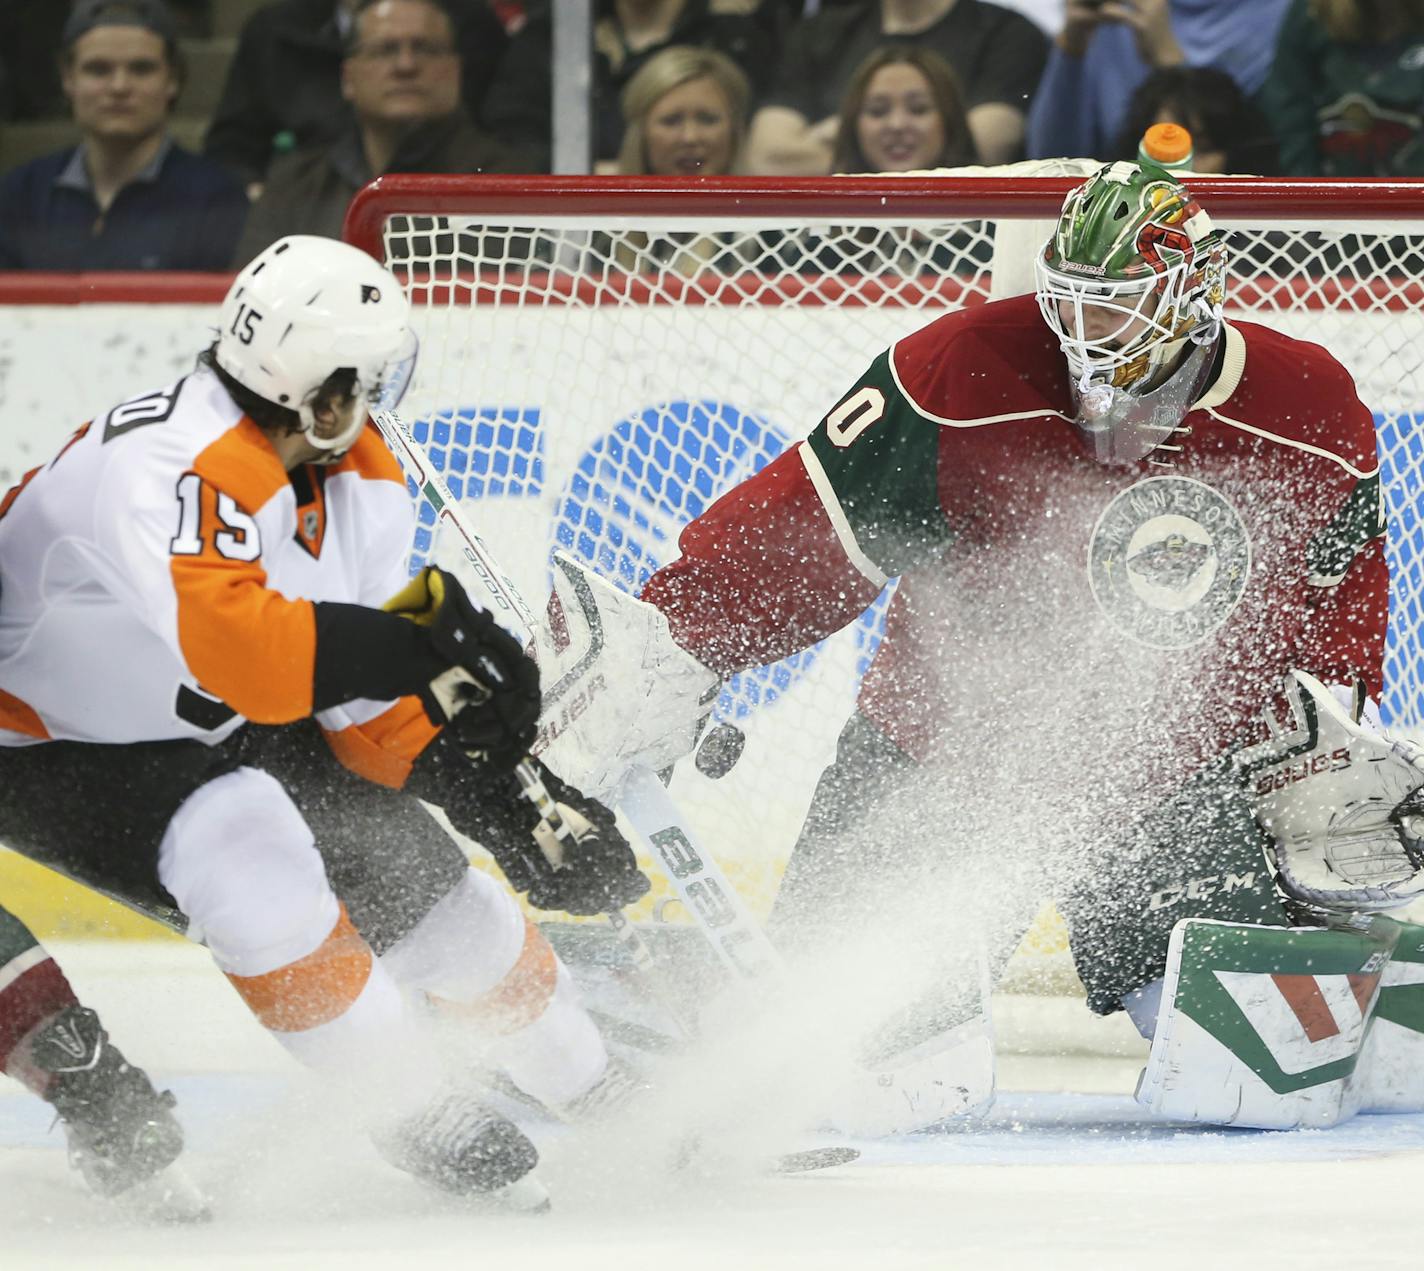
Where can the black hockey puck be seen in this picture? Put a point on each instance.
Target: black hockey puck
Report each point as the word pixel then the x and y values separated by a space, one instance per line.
pixel 815 1158
pixel 720 750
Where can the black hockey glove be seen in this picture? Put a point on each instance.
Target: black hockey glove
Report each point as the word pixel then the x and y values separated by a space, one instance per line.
pixel 598 872
pixel 484 690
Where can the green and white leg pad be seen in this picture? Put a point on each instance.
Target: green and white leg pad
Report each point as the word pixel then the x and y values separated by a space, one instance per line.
pixel 1278 1028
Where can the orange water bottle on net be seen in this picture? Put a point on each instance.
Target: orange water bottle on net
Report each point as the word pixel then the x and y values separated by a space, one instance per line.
pixel 1168 146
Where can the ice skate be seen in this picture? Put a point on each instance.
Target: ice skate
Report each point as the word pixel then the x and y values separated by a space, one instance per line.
pixel 607 1097
pixel 123 1136
pixel 462 1146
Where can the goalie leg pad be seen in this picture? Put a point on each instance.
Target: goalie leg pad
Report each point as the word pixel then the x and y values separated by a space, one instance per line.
pixel 1390 1075
pixel 1264 1026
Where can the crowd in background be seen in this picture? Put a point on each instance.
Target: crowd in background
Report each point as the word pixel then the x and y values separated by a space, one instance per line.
pixel 320 96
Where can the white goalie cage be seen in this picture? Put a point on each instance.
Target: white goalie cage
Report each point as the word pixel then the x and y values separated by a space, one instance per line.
pixel 600 358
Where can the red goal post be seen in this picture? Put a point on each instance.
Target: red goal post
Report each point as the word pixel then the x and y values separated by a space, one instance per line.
pixel 602 356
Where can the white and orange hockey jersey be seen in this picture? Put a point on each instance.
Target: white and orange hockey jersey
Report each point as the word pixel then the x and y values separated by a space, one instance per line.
pixel 157 579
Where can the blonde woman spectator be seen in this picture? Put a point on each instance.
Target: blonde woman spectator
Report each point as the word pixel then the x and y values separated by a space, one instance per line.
pixel 903 112
pixel 1346 92
pixel 684 114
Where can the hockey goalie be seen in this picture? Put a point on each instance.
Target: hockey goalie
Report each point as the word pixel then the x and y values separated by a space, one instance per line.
pixel 1125 532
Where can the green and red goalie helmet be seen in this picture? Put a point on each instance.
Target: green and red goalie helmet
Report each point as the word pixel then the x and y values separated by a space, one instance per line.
pixel 1132 283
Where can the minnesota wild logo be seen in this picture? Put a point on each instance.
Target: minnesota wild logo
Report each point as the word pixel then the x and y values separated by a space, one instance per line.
pixel 1168 561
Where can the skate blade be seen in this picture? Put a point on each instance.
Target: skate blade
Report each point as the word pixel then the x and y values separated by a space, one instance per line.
pixel 170 1196
pixel 693 1156
pixel 525 1195
pixel 813 1159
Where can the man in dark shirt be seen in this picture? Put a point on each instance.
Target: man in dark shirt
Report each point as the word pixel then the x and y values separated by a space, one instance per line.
pixel 401 81
pixel 283 89
pixel 126 197
pixel 997 54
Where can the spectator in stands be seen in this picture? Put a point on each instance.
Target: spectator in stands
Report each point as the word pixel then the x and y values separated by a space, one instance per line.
pixel 1229 131
pixel 1108 47
pixel 30 35
pixel 627 33
pixel 997 54
pixel 903 112
pixel 685 114
pixel 1346 92
pixel 284 87
pixel 126 197
pixel 401 79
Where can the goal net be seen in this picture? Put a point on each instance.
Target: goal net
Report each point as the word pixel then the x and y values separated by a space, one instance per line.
pixel 601 359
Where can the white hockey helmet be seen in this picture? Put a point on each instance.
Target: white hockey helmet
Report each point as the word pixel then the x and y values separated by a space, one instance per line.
pixel 306 308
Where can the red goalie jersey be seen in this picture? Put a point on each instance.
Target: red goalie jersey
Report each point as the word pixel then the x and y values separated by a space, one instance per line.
pixel 1162 600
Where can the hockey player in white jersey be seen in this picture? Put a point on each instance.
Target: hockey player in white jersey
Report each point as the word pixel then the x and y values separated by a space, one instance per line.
pixel 230 551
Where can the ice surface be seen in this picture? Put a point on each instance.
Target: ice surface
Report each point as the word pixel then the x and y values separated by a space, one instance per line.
pixel 1062 1180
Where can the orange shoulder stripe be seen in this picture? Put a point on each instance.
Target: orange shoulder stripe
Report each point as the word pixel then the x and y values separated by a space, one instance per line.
pixel 384 748
pixel 370 459
pixel 243 642
pixel 243 464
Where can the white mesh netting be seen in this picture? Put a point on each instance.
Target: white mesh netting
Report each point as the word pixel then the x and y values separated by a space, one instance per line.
pixel 592 384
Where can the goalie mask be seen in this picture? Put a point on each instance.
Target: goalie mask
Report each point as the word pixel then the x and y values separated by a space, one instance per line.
pixel 1132 283
pixel 306 308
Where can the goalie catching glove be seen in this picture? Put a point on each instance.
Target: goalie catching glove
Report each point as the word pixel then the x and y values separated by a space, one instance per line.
pixel 592 870
pixel 1340 799
pixel 487 695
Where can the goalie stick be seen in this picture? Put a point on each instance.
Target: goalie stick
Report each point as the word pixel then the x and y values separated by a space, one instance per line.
pixel 704 891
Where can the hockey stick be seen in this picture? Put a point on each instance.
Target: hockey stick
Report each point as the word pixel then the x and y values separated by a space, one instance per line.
pixel 716 906
pixel 704 891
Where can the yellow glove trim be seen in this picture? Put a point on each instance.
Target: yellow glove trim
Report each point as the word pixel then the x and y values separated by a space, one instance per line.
pixel 420 599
